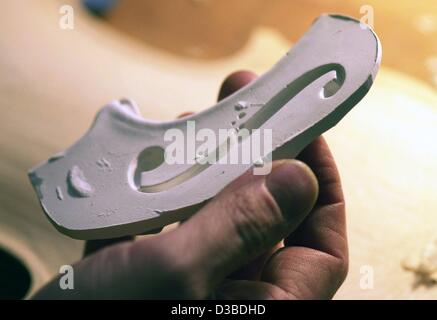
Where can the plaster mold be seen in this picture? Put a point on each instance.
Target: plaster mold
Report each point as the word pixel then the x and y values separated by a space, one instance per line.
pixel 114 180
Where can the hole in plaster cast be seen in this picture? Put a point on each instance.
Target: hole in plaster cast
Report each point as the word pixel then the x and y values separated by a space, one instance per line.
pixel 149 159
pixel 331 88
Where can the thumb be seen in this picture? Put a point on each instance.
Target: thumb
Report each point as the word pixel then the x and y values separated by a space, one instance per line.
pixel 248 217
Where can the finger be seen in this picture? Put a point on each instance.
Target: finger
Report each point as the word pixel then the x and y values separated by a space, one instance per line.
pixel 247 218
pixel 318 156
pixel 304 273
pixel 120 271
pixel 325 228
pixel 234 82
pixel 93 246
pixel 314 262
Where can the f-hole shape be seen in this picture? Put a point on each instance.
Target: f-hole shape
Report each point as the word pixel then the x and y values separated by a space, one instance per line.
pixel 259 118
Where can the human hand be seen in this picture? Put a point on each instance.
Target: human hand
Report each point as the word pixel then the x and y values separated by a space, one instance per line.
pixel 280 236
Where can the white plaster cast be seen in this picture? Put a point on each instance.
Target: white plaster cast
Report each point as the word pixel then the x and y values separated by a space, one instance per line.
pixel 96 188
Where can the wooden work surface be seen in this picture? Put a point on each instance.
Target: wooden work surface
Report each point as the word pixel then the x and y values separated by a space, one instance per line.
pixel 53 81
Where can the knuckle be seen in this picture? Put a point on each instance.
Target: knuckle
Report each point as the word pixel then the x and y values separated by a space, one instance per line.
pixel 339 269
pixel 342 268
pixel 254 216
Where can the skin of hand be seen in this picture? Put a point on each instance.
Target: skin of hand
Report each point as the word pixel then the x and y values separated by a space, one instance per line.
pixel 280 236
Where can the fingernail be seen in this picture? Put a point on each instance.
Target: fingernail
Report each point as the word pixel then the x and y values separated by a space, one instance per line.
pixel 293 186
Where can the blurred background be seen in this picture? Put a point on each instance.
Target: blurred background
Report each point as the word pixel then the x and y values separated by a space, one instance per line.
pixel 57 71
